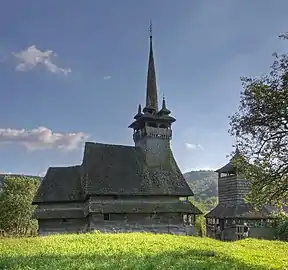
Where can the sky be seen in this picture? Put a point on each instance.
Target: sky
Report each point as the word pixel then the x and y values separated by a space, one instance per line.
pixel 75 71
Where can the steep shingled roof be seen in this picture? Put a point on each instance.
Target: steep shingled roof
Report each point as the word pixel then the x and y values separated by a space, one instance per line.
pixel 122 170
pixel 230 167
pixel 111 170
pixel 60 184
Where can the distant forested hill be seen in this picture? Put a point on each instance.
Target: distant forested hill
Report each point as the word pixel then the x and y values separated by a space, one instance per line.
pixel 204 186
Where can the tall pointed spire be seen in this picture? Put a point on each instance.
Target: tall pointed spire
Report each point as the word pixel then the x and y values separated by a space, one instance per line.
pixel 152 124
pixel 151 92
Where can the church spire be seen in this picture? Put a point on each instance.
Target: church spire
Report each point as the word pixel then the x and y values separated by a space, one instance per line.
pixel 151 92
pixel 152 124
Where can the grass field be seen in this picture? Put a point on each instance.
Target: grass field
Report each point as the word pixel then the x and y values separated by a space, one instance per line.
pixel 139 251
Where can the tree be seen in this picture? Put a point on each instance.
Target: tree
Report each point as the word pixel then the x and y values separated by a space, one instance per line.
pixel 200 221
pixel 16 205
pixel 261 129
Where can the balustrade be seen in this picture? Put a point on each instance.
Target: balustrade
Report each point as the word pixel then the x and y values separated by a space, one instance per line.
pixel 153 132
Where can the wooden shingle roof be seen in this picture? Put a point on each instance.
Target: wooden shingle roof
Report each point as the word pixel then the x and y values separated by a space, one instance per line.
pixel 60 184
pixel 122 170
pixel 230 167
pixel 111 170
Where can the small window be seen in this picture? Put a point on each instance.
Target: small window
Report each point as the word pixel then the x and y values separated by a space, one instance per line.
pixel 64 220
pixel 185 219
pixel 152 125
pixel 106 216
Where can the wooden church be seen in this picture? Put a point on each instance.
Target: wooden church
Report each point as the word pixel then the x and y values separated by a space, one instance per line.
pixel 120 188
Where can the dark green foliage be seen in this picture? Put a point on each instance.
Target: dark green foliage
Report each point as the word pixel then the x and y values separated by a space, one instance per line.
pixel 15 205
pixel 204 186
pixel 282 230
pixel 261 129
pixel 281 225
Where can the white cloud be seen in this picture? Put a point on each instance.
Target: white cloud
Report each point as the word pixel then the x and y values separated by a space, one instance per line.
pixel 194 146
pixel 31 57
pixel 107 77
pixel 42 138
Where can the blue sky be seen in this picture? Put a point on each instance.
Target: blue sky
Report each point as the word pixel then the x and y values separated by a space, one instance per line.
pixel 72 71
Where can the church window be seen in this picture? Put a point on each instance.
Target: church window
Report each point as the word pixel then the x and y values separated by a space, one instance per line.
pixel 106 216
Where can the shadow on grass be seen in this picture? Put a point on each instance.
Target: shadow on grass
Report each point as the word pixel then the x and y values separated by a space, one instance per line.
pixel 194 259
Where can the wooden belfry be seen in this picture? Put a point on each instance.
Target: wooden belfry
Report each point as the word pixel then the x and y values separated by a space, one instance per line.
pixel 232 210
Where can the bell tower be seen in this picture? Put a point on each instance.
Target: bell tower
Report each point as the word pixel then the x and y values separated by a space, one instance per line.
pixel 152 127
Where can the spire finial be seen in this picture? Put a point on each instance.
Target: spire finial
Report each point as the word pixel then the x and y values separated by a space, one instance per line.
pixel 163 102
pixel 151 91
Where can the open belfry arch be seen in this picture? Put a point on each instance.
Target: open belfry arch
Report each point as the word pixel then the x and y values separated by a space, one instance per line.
pixel 120 188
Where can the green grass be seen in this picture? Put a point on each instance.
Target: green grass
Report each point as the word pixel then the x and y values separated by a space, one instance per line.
pixel 139 251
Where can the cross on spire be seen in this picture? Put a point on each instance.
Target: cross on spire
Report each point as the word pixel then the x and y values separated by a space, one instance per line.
pixel 151 92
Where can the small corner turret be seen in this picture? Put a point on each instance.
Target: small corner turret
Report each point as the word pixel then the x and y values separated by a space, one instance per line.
pixel 164 110
pixel 139 113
